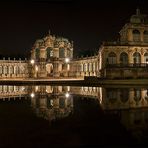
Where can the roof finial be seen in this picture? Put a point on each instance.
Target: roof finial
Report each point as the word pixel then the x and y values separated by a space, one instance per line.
pixel 137 11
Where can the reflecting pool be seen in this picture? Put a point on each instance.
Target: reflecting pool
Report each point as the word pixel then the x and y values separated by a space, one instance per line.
pixel 44 115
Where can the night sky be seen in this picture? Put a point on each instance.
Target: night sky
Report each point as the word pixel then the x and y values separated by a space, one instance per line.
pixel 87 23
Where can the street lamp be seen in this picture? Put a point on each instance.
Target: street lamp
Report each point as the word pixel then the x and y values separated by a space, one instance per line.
pixel 32 61
pixel 67 95
pixel 67 60
pixel 36 68
pixel 32 95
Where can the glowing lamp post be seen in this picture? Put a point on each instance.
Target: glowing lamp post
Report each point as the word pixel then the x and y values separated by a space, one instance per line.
pixel 32 62
pixel 32 95
pixel 67 60
pixel 67 95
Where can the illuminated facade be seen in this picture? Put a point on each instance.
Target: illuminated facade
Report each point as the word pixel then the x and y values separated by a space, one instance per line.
pixel 127 57
pixel 14 68
pixel 52 57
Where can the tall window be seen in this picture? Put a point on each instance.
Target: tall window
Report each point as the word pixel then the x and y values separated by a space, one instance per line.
pixel 146 58
pixel 37 52
pixel 94 67
pixel 61 103
pixel 136 36
pixel 61 53
pixel 136 58
pixel 90 67
pixel 85 67
pixel 49 52
pixel 16 69
pixel 145 35
pixel 112 58
pixel 124 58
pixel 5 70
pixel 137 94
pixel 111 95
pixel 124 95
pixel 11 70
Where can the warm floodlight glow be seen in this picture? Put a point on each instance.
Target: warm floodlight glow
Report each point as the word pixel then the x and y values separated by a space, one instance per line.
pixel 67 60
pixel 32 61
pixel 32 95
pixel 67 95
pixel 36 68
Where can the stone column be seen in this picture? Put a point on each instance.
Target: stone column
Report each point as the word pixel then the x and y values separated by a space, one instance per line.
pixel 130 58
pixel 42 63
pixel 56 72
pixel 130 35
pixel 118 58
pixel 142 58
pixel 141 35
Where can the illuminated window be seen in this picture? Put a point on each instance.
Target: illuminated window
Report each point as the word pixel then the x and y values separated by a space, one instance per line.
pixel 112 58
pixel 11 70
pixel 137 57
pixel 61 53
pixel 146 58
pixel 145 34
pixel 124 58
pixel 136 36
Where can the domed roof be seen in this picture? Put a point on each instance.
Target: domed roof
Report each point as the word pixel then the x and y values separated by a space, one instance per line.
pixel 139 18
pixel 61 39
pixel 39 41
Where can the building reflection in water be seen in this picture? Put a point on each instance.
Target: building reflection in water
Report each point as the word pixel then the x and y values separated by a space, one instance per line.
pixel 51 102
pixel 55 102
pixel 130 105
pixel 13 92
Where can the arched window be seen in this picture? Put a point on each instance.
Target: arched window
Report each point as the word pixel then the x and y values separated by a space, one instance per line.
pixel 68 53
pixel 137 94
pixel 124 95
pixel 61 53
pixel 5 69
pixel 49 52
pixel 16 69
pixel 85 67
pixel 11 70
pixel 62 103
pixel 90 67
pixel 146 58
pixel 112 58
pixel 112 95
pixel 37 53
pixel 136 35
pixel 136 58
pixel 124 58
pixel 94 67
pixel 145 35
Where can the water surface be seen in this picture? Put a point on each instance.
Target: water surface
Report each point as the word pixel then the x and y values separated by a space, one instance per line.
pixel 43 116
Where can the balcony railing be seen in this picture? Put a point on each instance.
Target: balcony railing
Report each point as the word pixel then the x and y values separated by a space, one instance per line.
pixel 131 65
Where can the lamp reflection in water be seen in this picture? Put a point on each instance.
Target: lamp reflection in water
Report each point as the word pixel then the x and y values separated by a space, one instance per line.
pixel 32 95
pixel 51 104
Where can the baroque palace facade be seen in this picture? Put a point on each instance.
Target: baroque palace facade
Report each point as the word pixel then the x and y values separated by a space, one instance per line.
pixel 52 57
